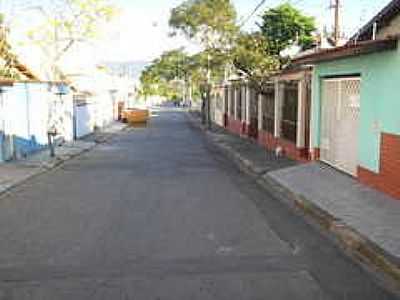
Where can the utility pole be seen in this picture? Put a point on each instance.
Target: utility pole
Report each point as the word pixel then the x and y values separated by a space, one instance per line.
pixel 206 93
pixel 209 90
pixel 336 7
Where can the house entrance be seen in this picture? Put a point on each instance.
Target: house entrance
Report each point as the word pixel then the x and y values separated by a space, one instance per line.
pixel 340 113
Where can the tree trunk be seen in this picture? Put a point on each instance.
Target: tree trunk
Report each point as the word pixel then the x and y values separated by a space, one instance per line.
pixel 203 109
pixel 208 107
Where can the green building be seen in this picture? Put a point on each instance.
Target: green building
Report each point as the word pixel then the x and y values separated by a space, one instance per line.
pixel 355 119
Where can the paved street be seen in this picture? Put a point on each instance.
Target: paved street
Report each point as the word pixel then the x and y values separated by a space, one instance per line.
pixel 159 213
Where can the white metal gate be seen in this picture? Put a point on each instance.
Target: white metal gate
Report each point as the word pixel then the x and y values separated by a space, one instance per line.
pixel 340 110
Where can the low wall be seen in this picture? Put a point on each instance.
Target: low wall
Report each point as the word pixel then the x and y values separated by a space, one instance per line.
pixel 236 126
pixel 288 148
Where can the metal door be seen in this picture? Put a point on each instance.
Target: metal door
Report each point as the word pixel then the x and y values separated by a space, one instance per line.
pixel 340 111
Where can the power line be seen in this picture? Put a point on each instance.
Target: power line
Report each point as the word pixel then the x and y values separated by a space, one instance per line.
pixel 258 6
pixel 296 2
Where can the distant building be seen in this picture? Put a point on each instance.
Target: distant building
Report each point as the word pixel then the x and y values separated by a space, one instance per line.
pixel 128 69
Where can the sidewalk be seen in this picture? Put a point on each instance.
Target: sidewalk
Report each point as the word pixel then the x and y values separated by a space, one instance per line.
pixel 371 213
pixel 251 155
pixel 365 222
pixel 15 172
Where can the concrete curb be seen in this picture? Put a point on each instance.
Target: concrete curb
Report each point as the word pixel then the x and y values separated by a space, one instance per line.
pixel 354 243
pixel 359 247
pixel 47 166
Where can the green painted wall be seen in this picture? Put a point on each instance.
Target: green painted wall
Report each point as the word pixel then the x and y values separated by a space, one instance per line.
pixel 380 100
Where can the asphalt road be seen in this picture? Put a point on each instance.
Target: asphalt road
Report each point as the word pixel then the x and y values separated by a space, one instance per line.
pixel 158 213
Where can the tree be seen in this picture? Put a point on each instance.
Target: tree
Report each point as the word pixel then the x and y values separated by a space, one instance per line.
pixel 250 58
pixel 8 60
pixel 166 75
pixel 213 24
pixel 68 23
pixel 284 25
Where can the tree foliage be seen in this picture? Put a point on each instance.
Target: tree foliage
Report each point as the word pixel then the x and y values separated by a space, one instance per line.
pixel 225 47
pixel 8 60
pixel 68 23
pixel 284 25
pixel 212 22
pixel 166 75
pixel 250 58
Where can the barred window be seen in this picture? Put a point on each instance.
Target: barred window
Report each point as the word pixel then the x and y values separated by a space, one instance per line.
pixel 232 102
pixel 219 100
pixel 268 109
pixel 289 112
pixel 226 96
pixel 239 102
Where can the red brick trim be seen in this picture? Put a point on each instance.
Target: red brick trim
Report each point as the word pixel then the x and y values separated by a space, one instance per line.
pixel 289 148
pixel 245 128
pixel 388 178
pixel 267 140
pixel 316 154
pixel 234 126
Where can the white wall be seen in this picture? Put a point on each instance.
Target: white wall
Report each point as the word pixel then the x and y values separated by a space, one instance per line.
pixel 28 110
pixel 85 116
pixel 105 110
pixel 97 112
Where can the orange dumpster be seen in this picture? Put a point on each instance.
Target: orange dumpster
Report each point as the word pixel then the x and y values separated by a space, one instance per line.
pixel 134 116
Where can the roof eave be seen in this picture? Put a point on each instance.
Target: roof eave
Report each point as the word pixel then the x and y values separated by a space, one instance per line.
pixel 384 17
pixel 349 51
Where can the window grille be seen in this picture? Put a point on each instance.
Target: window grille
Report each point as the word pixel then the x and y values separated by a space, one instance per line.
pixel 289 112
pixel 268 109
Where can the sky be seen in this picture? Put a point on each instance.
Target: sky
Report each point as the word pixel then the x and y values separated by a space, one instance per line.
pixel 140 32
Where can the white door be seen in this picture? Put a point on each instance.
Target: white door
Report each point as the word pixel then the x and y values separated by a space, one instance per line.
pixel 340 111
